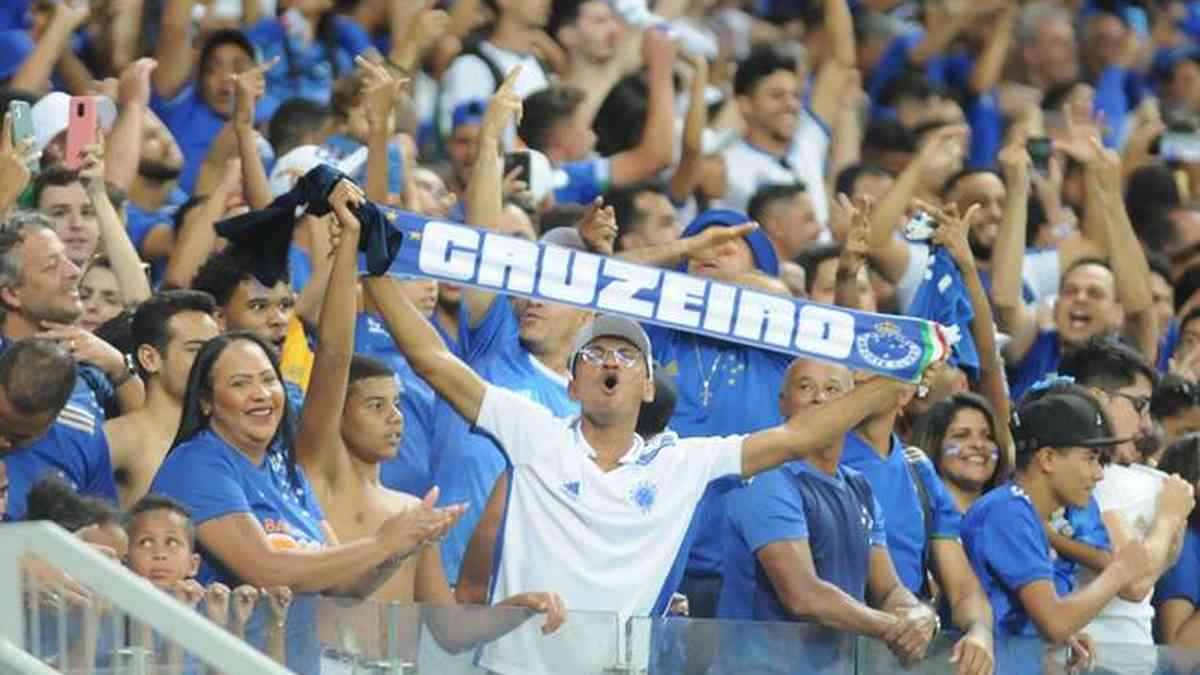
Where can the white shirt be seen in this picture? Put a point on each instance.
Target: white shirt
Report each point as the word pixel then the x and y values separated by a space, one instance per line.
pixel 604 541
pixel 468 78
pixel 1132 493
pixel 748 168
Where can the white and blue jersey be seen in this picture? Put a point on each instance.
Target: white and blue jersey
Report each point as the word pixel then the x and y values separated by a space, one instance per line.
pixel 604 540
pixel 465 461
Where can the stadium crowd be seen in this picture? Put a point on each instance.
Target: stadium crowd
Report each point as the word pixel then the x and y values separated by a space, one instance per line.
pixel 236 416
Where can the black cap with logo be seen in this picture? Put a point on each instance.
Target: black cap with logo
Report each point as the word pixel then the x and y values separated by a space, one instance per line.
pixel 1061 421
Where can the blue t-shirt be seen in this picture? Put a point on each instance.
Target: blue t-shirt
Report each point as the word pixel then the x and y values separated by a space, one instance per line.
pixel 893 487
pixel 194 125
pixel 139 223
pixel 67 450
pixel 464 462
pixel 744 385
pixel 280 499
pixel 586 180
pixel 409 470
pixel 1042 358
pixel 305 70
pixel 838 516
pixel 1086 526
pixel 1008 548
pixel 1183 579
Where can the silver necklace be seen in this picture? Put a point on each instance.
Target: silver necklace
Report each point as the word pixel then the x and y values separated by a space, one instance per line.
pixel 706 382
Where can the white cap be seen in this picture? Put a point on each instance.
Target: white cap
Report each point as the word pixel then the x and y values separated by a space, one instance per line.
pixel 51 112
pixel 300 160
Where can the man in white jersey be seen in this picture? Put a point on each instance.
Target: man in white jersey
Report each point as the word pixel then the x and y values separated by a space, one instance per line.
pixel 594 512
pixel 1136 502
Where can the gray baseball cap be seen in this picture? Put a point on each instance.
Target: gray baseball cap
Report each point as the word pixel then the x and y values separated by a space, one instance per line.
pixel 608 325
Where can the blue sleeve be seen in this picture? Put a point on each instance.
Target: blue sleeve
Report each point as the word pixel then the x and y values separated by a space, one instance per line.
pixel 350 36
pixel 878 536
pixel 947 521
pixel 395 168
pixel 1015 546
pixel 1112 101
pixel 767 510
pixel 1088 526
pixel 892 63
pixel 100 385
pixel 219 494
pixel 585 181
pixel 97 480
pixel 497 330
pixel 1183 579
pixel 987 129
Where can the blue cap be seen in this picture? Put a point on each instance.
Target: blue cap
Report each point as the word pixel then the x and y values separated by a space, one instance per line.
pixel 760 245
pixel 468 112
pixel 15 47
pixel 1165 60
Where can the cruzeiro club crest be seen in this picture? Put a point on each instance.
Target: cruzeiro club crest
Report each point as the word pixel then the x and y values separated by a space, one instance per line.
pixel 885 347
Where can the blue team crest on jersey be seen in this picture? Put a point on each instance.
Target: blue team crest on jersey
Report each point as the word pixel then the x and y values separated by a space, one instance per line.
pixel 887 348
pixel 571 488
pixel 643 494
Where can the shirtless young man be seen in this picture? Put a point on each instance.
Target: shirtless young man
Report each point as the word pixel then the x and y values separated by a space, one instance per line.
pixel 168 330
pixel 351 423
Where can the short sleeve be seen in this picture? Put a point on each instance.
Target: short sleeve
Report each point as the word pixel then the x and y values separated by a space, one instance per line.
pixel 713 457
pixel 914 274
pixel 98 478
pixel 219 494
pixel 1183 579
pixel 585 181
pixel 947 521
pixel 767 510
pixel 522 428
pixel 496 331
pixel 878 535
pixel 1015 547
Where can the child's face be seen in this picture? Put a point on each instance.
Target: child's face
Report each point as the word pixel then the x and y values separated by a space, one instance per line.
pixel 160 549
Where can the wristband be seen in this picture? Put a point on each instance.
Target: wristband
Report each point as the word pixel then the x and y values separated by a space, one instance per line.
pixel 126 376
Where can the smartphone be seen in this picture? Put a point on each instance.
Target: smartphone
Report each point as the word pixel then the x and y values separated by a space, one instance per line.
pixel 519 159
pixel 22 128
pixel 1039 150
pixel 1180 146
pixel 81 130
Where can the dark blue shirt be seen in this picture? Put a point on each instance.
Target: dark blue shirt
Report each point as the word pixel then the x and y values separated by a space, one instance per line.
pixel 1183 579
pixel 1042 358
pixel 837 515
pixel 1086 526
pixel 67 451
pixel 1008 548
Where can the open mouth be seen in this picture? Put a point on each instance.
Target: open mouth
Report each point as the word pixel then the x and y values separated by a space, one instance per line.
pixel 610 382
pixel 1078 319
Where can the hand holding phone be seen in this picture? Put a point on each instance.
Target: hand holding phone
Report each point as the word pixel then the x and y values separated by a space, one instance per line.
pixel 82 125
pixel 518 160
pixel 1039 149
pixel 23 136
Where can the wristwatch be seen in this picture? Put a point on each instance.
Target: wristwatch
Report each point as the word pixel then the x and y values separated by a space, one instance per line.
pixel 130 371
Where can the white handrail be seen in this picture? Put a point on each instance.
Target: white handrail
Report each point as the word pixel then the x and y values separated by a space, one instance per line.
pixel 127 592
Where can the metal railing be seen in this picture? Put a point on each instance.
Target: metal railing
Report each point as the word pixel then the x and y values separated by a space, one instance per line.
pixel 119 588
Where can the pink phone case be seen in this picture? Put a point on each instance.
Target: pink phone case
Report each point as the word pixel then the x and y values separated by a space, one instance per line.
pixel 81 130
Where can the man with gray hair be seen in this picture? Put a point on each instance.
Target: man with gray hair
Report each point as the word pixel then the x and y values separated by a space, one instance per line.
pixel 39 296
pixel 1046 45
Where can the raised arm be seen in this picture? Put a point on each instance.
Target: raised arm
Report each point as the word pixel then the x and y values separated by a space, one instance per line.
pixel 318 447
pixel 838 69
pixel 380 91
pixel 249 87
pixel 797 438
pixel 485 199
pixel 426 352
pixel 34 73
pixel 1015 317
pixel 173 50
pixel 686 176
pixel 663 255
pixel 114 240
pixel 125 141
pixel 854 255
pixel 14 171
pixel 653 153
pixel 989 66
pixel 197 233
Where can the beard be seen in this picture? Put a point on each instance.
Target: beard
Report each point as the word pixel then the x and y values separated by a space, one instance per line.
pixel 159 172
pixel 981 251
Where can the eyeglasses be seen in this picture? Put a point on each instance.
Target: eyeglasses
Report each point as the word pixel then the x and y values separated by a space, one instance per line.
pixel 1141 404
pixel 625 357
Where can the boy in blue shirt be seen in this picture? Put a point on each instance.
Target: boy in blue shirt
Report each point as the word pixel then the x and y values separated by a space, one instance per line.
pixel 1059 440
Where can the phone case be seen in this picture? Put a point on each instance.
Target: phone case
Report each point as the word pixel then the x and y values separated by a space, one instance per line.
pixel 22 127
pixel 81 130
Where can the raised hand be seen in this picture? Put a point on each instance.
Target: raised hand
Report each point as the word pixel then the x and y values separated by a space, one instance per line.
pixel 420 526
pixel 72 13
pixel 858 238
pixel 542 603
pixel 716 236
pixel 948 139
pixel 248 87
pixel 133 88
pixel 380 92
pixel 91 168
pixel 504 107
pixel 952 232
pixel 598 227
pixel 344 197
pixel 658 52
pixel 216 603
pixel 14 164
